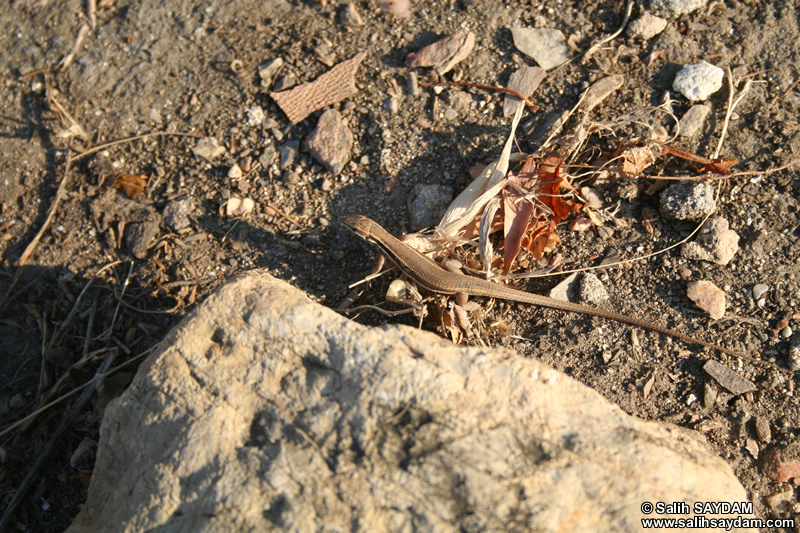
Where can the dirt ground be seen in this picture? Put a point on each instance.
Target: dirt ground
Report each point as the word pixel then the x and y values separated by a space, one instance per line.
pixel 192 67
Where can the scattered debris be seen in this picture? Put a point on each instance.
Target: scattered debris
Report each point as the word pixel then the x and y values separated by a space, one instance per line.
pixel 592 291
pixel 524 80
pixel 646 26
pixel 672 9
pixel 399 8
pixel 687 200
pixel 708 297
pixel 709 395
pixel 599 91
pixel 331 141
pixel 445 53
pixel 208 149
pixel 698 81
pixel 546 46
pixel 349 15
pixel 794 352
pixel 782 463
pixel 427 203
pixel 728 379
pixel 715 242
pixel 330 88
pixel 693 120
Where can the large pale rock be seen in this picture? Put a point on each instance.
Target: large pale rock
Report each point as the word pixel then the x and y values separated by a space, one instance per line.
pixel 265 411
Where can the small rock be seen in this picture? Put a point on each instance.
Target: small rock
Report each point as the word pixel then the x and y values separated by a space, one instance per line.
pixel 672 9
pixel 698 81
pixel 762 430
pixel 592 291
pixel 350 16
pixel 751 446
pixel 208 149
pixel 759 290
pixel 728 379
pixel 245 163
pixel 780 502
pixel 580 224
pixel 548 47
pixel 592 197
pixel 288 151
pixel 715 242
pixel 83 452
pixel 267 157
pixel 794 352
pixel 780 463
pixel 176 213
pixel 139 236
pixel 709 395
pixel 708 297
pixel 692 121
pixel 566 289
pixel 786 332
pixel 524 80
pixel 331 141
pixel 237 207
pixel 687 200
pixel 268 70
pixel 412 83
pixel 445 53
pixel 450 114
pixel 399 8
pixel 235 172
pixel 392 104
pixel 255 115
pixel 291 177
pixel 646 26
pixel 427 204
pixel 286 81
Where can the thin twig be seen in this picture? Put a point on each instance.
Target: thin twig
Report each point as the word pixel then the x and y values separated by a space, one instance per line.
pixel 731 106
pixel 533 108
pixel 601 42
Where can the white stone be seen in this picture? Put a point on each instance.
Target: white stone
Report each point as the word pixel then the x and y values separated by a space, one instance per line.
pixel 699 81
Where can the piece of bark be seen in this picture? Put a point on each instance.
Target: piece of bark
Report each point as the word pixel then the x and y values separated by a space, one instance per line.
pixel 330 88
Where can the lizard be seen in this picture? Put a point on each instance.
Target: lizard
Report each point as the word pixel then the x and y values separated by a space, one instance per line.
pixel 428 274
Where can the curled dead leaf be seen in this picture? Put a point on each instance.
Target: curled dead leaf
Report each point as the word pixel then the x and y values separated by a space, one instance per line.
pixel 132 185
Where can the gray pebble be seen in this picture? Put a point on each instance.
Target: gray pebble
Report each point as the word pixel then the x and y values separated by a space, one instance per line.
pixel 288 151
pixel 176 213
pixel 687 200
pixel 692 122
pixel 592 291
pixel 427 204
pixel 759 290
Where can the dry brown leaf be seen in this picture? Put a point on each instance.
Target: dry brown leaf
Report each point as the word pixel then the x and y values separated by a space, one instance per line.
pixel 131 184
pixel 635 159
